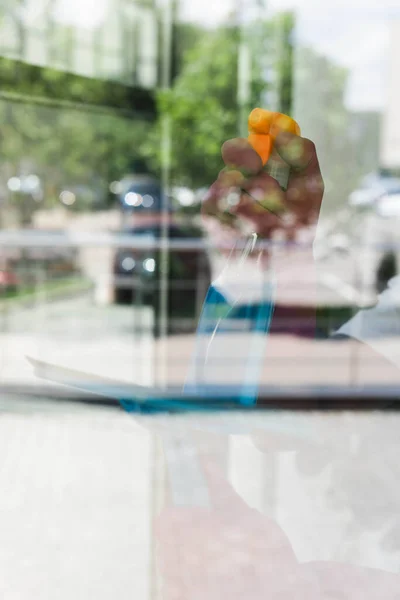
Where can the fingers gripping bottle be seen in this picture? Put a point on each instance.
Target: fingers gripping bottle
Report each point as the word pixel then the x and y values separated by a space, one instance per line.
pixel 264 127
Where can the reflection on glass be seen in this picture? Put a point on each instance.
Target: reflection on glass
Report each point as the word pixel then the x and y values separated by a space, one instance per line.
pixel 92 227
pixel 106 39
pixel 129 245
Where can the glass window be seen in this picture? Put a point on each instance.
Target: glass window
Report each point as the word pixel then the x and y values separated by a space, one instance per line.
pixel 67 166
pixel 199 299
pixel 79 37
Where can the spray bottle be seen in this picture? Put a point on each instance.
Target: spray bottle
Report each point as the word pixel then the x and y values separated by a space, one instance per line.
pixel 237 312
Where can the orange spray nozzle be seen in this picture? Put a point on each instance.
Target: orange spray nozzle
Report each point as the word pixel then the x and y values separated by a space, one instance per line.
pixel 264 126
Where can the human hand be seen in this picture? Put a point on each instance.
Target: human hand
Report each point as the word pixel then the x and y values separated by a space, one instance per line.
pixel 260 200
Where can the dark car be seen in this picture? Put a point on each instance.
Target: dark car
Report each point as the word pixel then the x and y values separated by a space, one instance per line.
pixel 141 194
pixel 137 274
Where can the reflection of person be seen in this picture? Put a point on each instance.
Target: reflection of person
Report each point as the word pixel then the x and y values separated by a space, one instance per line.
pixel 294 210
pixel 234 551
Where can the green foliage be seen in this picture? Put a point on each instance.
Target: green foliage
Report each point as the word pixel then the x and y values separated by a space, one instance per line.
pixel 20 78
pixel 185 37
pixel 202 108
pixel 284 23
pixel 85 144
pixel 67 148
pixel 202 104
pixel 75 146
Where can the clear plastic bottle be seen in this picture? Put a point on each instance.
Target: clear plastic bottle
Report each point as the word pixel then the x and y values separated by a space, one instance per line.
pixel 278 169
pixel 233 329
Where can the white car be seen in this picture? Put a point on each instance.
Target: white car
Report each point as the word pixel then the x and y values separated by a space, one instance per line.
pixel 365 239
pixel 377 241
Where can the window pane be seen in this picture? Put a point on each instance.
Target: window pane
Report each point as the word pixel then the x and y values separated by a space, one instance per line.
pixel 155 264
pixel 64 35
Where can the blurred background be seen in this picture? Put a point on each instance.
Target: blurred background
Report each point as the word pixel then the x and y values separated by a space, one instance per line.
pixel 112 117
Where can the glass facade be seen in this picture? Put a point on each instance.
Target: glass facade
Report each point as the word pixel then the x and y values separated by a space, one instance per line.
pixel 115 41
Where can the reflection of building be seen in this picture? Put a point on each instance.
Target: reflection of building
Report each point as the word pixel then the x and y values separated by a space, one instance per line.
pixel 117 40
pixel 364 129
pixel 390 142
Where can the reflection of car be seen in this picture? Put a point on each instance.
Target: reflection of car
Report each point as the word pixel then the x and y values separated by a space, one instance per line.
pixel 373 188
pixel 378 241
pixel 140 194
pixel 9 281
pixel 137 273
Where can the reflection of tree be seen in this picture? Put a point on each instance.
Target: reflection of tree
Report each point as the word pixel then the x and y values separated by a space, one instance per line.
pixel 202 106
pixel 202 103
pixel 66 147
pixel 284 24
